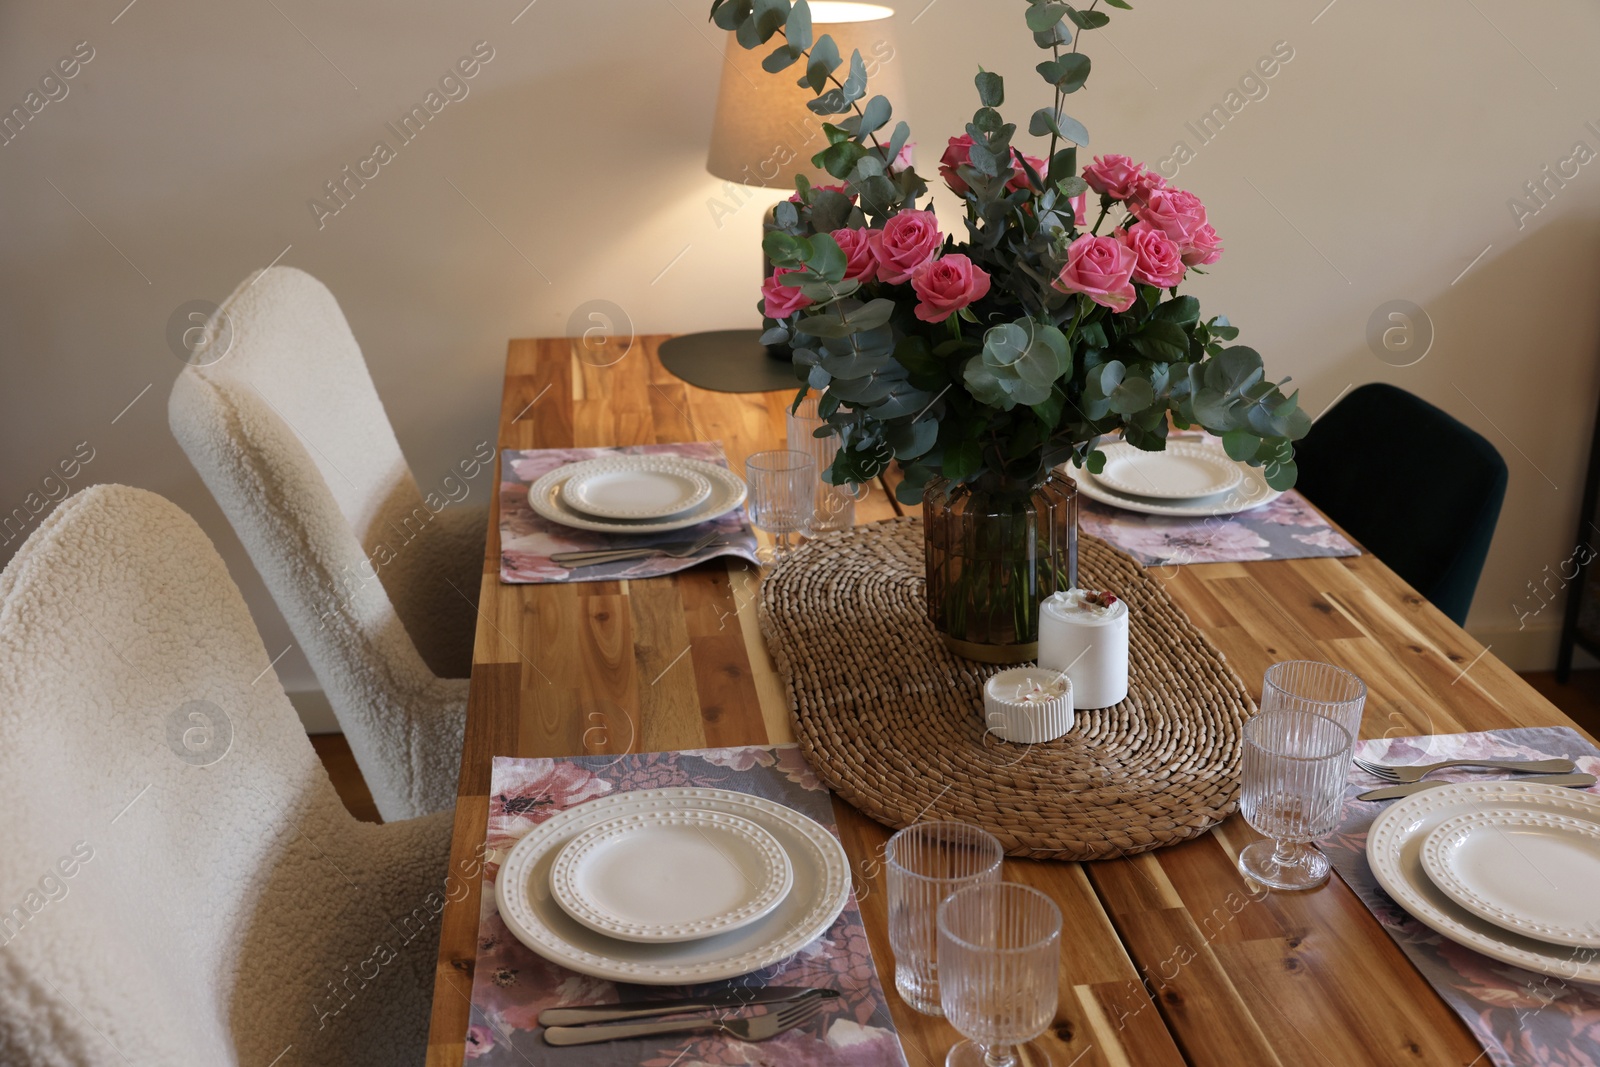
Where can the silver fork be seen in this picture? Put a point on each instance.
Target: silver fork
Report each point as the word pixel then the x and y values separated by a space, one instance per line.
pixel 613 555
pixel 1416 772
pixel 755 1028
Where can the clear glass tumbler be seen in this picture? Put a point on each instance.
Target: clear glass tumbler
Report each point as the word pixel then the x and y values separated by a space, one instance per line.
pixel 1320 688
pixel 999 968
pixel 835 505
pixel 782 485
pixel 925 863
pixel 1292 791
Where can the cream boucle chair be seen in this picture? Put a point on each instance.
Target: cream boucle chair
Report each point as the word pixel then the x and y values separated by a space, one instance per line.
pixel 176 897
pixel 378 584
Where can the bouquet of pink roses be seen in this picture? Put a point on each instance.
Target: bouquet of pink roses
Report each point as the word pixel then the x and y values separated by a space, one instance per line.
pixel 1018 345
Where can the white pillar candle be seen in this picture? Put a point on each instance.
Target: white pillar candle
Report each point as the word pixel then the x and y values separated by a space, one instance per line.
pixel 1088 639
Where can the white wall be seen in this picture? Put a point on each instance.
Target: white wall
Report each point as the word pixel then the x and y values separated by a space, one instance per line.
pixel 1377 167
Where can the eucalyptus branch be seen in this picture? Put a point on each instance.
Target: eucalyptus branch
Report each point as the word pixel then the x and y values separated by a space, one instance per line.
pixel 805 55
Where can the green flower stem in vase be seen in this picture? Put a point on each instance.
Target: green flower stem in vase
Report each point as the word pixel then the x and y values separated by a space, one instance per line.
pixel 995 548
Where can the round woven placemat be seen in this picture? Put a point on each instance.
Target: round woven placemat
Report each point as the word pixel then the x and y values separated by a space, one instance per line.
pixel 894 723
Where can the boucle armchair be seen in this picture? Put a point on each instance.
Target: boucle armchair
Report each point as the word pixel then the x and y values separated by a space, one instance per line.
pixel 378 583
pixel 180 883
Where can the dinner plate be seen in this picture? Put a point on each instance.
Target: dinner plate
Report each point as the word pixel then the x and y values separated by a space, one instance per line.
pixel 1394 850
pixel 634 487
pixel 1185 471
pixel 1531 872
pixel 664 876
pixel 821 888
pixel 727 492
pixel 1251 492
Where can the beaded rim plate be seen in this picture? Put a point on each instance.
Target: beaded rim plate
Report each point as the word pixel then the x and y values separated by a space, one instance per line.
pixel 667 876
pixel 821 890
pixel 1531 872
pixel 634 487
pixel 727 492
pixel 1251 492
pixel 1184 471
pixel 1394 850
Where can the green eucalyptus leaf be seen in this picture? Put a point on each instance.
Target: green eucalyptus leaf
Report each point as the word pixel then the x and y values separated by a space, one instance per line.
pixel 1122 5
pixel 1281 475
pixel 786 213
pixel 780 58
pixel 730 14
pixel 1049 120
pixel 824 58
pixel 1241 445
pixel 912 439
pixel 785 250
pixel 962 460
pixel 775 336
pixel 985 384
pixel 1183 310
pixel 827 259
pixel 1088 20
pixel 873 118
pixel 798 29
pixel 1054 37
pixel 1161 340
pixel 991 88
pixel 817 378
pixel 1042 17
pixel 1067 73
pixel 855 84
pixel 897 141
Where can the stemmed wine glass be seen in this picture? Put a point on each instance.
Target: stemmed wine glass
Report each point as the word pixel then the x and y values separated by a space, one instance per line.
pixel 782 493
pixel 1293 788
pixel 999 970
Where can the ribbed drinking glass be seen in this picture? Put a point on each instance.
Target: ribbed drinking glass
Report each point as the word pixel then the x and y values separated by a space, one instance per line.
pixel 835 505
pixel 1292 791
pixel 782 484
pixel 999 968
pixel 925 863
pixel 1320 688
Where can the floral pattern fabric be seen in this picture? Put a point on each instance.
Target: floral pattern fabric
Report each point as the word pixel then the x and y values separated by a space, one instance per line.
pixel 1286 528
pixel 527 540
pixel 1523 1019
pixel 512 985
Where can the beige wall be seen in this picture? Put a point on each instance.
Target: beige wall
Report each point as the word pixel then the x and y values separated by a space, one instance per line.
pixel 1378 166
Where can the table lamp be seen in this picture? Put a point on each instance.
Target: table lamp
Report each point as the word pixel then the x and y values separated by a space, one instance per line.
pixel 763 136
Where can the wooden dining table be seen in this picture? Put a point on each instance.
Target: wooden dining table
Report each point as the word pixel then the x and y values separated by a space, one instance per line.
pixel 1168 957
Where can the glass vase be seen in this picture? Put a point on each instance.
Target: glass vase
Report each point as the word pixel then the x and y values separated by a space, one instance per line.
pixel 994 549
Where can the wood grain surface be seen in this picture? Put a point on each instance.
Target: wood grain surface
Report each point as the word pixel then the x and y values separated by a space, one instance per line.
pixel 1170 957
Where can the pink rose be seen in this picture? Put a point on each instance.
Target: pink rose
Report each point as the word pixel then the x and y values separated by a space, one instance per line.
pixel 781 301
pixel 903 161
pixel 844 189
pixel 1143 186
pixel 1080 209
pixel 954 156
pixel 909 240
pixel 1113 176
pixel 1102 269
pixel 1156 258
pixel 946 285
pixel 1204 247
pixel 1176 213
pixel 861 264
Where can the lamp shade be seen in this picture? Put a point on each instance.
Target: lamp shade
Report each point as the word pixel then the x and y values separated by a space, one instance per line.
pixel 764 134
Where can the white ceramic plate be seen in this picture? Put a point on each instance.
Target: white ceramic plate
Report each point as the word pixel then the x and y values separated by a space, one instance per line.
pixel 665 876
pixel 1251 492
pixel 821 887
pixel 634 487
pixel 727 492
pixel 1394 849
pixel 1184 472
pixel 1532 872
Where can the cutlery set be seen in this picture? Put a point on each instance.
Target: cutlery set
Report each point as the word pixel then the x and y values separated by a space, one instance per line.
pixel 1409 779
pixel 789 1007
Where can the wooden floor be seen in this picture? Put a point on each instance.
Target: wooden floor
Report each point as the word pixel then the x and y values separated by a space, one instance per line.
pixel 1579 698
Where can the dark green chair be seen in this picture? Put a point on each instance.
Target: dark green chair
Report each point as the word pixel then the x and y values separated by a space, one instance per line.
pixel 1420 490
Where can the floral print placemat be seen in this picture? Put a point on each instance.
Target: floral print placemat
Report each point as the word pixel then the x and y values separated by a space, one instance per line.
pixel 527 541
pixel 1523 1019
pixel 512 985
pixel 1286 528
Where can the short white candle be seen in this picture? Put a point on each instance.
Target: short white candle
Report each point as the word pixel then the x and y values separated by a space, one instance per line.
pixel 1088 640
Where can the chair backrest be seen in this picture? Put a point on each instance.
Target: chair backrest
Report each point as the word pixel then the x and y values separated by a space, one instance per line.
pixel 152 771
pixel 288 434
pixel 1421 490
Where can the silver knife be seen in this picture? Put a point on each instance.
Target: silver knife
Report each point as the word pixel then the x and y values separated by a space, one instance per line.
pixel 1395 792
pixel 733 998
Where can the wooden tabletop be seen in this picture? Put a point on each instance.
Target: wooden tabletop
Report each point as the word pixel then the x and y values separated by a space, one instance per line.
pixel 1169 957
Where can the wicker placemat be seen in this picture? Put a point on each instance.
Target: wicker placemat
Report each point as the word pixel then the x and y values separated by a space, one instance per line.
pixel 894 723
